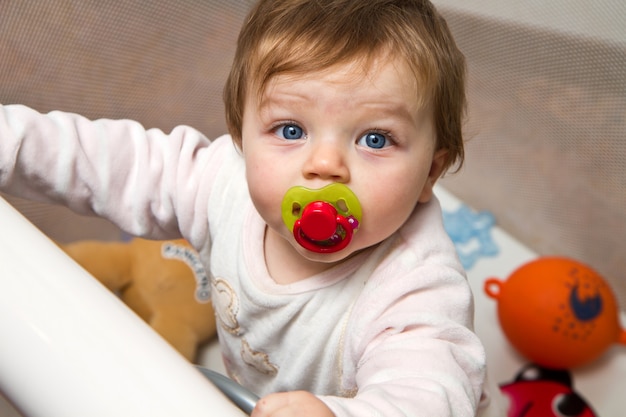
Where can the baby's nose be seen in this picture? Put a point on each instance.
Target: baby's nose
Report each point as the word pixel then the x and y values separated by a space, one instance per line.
pixel 327 161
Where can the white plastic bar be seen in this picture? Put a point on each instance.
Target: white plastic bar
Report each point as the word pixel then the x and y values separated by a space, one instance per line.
pixel 68 347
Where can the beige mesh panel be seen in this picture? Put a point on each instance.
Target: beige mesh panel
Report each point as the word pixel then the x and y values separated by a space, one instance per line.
pixel 547 125
pixel 162 63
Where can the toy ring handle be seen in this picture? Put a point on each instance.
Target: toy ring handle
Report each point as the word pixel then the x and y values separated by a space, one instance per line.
pixel 493 287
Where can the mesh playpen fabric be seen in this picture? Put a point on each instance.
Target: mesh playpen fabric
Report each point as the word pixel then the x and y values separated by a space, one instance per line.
pixel 546 148
pixel 547 124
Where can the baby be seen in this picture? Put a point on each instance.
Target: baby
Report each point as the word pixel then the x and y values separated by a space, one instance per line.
pixel 336 289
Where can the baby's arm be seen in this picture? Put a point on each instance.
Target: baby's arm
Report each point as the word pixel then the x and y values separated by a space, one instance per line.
pixel 433 369
pixel 413 350
pixel 145 181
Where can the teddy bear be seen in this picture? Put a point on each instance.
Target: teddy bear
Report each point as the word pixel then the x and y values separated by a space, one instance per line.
pixel 163 282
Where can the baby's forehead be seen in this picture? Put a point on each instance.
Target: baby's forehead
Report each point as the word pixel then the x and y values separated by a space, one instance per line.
pixel 378 74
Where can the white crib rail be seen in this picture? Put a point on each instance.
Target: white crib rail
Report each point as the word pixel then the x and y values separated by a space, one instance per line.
pixel 70 348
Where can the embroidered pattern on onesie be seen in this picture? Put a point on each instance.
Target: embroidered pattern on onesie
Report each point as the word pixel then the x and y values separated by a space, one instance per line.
pixel 259 360
pixel 226 305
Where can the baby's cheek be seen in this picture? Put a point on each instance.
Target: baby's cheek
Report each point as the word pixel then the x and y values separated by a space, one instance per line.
pixel 385 217
pixel 267 204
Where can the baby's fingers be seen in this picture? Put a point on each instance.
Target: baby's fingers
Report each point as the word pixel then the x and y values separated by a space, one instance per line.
pixel 291 404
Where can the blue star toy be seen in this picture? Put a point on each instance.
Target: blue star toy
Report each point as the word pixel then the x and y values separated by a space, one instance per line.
pixel 471 233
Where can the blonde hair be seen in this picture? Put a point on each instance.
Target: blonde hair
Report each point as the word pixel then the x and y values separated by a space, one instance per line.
pixel 303 36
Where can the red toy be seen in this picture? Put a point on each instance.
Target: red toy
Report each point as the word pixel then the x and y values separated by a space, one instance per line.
pixel 540 392
pixel 557 312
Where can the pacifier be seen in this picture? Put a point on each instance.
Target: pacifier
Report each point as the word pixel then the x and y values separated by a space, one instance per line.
pixel 323 220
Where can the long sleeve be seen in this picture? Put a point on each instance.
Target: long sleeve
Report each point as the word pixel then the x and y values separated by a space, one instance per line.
pixel 148 182
pixel 410 349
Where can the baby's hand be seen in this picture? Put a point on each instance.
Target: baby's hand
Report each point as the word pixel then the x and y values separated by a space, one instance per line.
pixel 291 404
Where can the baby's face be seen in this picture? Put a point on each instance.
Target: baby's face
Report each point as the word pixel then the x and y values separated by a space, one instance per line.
pixel 365 131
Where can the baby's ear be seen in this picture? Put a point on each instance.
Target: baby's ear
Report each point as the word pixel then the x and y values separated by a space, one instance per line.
pixel 437 166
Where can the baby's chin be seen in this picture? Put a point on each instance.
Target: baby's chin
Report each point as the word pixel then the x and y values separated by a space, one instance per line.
pixel 326 258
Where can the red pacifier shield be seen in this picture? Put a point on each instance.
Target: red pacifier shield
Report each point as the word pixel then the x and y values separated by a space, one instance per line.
pixel 319 220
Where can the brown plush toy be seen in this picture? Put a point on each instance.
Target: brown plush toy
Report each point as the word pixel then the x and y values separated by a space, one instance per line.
pixel 162 281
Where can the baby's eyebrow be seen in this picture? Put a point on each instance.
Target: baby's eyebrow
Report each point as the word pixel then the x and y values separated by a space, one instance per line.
pixel 282 99
pixel 393 110
pixel 269 106
pixel 385 107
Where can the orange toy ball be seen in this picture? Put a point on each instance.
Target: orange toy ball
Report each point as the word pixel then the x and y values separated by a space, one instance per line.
pixel 557 312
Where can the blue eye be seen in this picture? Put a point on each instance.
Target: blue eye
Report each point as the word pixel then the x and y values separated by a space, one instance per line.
pixel 289 132
pixel 373 140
